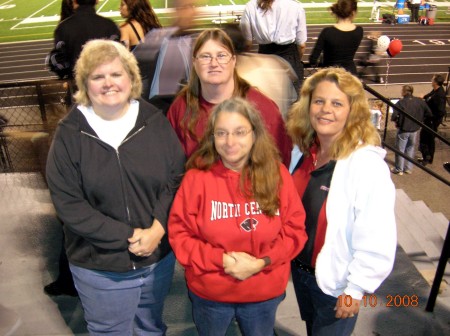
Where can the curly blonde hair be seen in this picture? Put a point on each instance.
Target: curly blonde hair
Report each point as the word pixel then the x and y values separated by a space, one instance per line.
pixel 98 52
pixel 263 166
pixel 358 130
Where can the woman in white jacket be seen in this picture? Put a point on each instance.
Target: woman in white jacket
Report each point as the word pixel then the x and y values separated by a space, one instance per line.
pixel 349 200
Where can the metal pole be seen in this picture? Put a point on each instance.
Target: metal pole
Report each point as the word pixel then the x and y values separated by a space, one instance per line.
pixel 439 272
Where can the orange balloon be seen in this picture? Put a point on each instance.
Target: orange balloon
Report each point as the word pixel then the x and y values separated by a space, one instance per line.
pixel 395 46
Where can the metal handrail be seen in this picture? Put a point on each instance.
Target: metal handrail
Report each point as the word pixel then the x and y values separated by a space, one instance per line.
pixel 437 135
pixel 445 254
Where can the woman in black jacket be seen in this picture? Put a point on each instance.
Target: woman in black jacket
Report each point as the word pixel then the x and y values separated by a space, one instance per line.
pixel 113 169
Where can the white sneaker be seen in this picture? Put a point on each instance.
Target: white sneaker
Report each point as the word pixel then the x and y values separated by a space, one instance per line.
pixel 396 172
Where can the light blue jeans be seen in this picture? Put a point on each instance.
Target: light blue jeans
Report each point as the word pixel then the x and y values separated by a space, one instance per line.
pixel 122 304
pixel 405 143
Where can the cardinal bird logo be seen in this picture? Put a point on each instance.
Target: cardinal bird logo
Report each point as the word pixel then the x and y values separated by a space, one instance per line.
pixel 249 224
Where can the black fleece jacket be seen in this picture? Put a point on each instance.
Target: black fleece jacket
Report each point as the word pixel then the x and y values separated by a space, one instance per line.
pixel 102 194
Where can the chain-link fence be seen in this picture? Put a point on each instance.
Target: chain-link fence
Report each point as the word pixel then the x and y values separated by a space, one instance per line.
pixel 29 112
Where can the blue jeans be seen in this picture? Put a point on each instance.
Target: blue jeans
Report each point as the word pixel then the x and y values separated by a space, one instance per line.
pixel 317 308
pixel 129 303
pixel 213 318
pixel 405 143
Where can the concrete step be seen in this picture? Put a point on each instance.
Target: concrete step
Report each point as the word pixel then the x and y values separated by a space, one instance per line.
pixel 420 235
pixel 438 227
pixel 416 224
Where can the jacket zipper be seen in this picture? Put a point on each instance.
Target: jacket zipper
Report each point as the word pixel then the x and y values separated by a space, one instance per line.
pixel 121 175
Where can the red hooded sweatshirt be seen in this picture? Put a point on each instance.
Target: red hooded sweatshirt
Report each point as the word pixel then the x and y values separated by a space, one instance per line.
pixel 210 217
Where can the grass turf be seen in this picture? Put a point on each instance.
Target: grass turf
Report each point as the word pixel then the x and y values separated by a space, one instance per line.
pixel 25 20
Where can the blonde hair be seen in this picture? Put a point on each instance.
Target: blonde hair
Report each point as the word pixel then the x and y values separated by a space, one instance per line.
pixel 358 129
pixel 263 166
pixel 98 52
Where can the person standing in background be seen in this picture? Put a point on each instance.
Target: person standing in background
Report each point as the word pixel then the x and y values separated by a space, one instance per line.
pixel 214 79
pixel 371 61
pixel 340 42
pixel 164 58
pixel 140 18
pixel 415 7
pixel 407 129
pixel 67 9
pixel 113 169
pixel 256 68
pixel 82 26
pixel 436 100
pixel 376 113
pixel 349 199
pixel 278 27
pixel 236 223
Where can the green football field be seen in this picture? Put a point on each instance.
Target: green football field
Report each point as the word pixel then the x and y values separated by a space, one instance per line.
pixel 25 20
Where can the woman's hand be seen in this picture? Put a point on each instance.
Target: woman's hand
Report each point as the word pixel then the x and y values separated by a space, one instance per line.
pixel 145 241
pixel 228 261
pixel 344 311
pixel 244 265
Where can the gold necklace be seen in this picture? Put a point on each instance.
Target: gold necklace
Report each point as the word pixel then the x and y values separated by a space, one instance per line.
pixel 318 159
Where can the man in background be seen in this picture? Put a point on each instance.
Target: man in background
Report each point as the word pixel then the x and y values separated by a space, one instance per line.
pixel 407 128
pixel 279 28
pixel 435 100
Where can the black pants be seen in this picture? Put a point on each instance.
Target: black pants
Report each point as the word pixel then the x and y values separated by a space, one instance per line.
pixel 289 52
pixel 426 142
pixel 64 279
pixel 414 13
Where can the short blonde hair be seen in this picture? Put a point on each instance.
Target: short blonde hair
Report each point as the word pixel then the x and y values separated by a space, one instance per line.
pixel 358 129
pixel 98 52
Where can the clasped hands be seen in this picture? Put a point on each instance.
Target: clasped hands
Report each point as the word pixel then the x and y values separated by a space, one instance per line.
pixel 241 265
pixel 145 241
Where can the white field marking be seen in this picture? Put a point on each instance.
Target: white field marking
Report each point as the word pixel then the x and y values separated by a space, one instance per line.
pixel 55 18
pixel 100 8
pixel 5 3
pixel 34 27
pixel 51 3
pixel 40 19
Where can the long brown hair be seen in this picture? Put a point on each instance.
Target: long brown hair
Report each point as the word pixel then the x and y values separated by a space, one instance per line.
pixel 192 90
pixel 358 130
pixel 263 166
pixel 142 12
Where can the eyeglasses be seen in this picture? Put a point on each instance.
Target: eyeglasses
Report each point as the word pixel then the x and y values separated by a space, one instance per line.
pixel 239 133
pixel 220 58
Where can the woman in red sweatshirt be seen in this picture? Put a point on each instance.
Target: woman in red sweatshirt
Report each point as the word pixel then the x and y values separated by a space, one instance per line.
pixel 213 79
pixel 235 224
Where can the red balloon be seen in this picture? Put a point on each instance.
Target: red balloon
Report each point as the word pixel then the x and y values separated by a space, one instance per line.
pixel 394 47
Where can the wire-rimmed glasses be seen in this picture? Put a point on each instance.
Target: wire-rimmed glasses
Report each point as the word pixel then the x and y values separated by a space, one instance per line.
pixel 221 58
pixel 240 133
